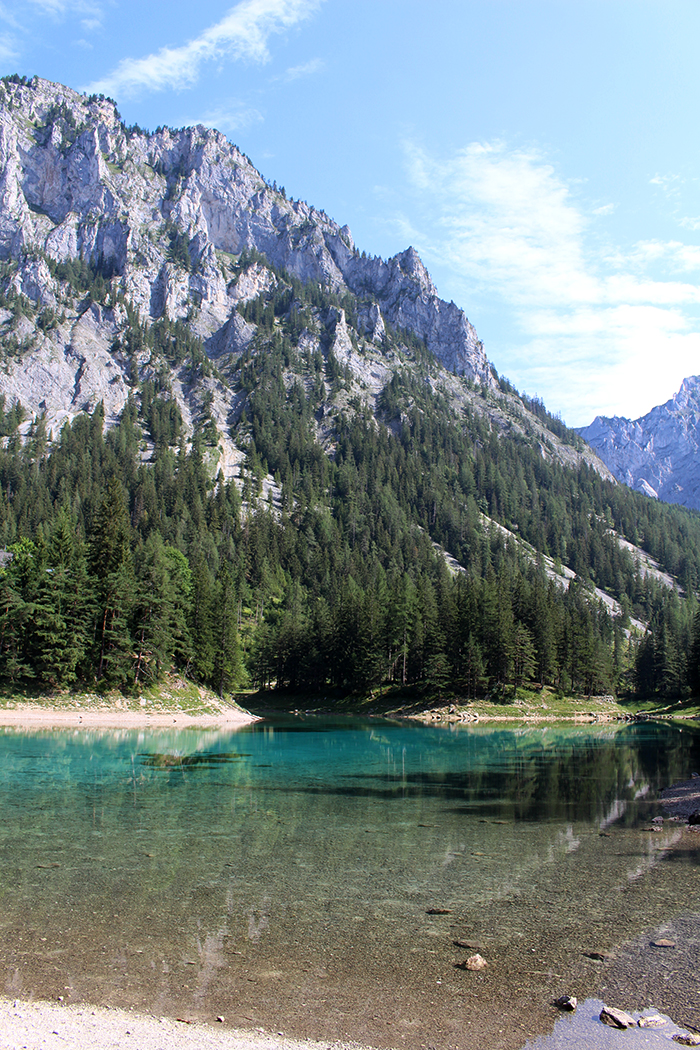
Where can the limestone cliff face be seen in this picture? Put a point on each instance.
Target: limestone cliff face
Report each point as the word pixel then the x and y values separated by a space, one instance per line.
pixel 658 453
pixel 179 227
pixel 75 182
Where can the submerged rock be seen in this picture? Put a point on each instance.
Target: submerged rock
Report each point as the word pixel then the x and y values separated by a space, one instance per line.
pixel 652 1021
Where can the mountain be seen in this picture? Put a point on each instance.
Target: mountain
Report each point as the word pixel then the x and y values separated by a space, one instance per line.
pixel 168 214
pixel 234 446
pixel 656 454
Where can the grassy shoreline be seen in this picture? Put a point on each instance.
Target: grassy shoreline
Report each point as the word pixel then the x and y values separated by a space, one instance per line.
pixel 178 696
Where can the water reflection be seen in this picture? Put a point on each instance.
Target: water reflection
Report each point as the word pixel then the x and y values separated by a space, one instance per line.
pixel 292 863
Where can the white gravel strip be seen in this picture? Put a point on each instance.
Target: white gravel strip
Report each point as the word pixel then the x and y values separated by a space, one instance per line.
pixel 55 1026
pixel 37 717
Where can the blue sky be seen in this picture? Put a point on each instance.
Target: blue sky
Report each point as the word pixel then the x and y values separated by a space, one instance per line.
pixel 541 155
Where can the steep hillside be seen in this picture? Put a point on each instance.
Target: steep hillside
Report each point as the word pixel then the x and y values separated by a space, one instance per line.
pixel 658 453
pixel 235 445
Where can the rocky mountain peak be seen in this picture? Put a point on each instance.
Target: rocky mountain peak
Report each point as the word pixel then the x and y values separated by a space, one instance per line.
pixel 131 257
pixel 657 453
pixel 77 183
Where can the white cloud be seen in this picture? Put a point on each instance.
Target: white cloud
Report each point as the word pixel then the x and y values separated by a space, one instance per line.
pixel 8 17
pixel 229 117
pixel 51 7
pixel 12 47
pixel 665 181
pixel 509 222
pixel 596 330
pixel 242 33
pixel 8 48
pixel 306 70
pixel 676 255
pixel 59 8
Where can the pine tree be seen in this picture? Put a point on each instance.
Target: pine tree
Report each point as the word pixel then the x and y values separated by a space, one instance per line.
pixel 111 564
pixel 63 609
pixel 228 667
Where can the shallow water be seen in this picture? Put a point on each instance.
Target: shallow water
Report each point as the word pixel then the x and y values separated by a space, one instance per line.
pixel 281 875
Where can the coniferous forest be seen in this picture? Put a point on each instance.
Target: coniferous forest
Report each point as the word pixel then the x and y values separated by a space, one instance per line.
pixel 129 555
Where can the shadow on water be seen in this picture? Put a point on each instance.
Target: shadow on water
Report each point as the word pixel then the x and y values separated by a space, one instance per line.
pixel 205 760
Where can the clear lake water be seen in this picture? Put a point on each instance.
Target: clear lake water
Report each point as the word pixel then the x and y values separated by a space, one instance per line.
pixel 312 875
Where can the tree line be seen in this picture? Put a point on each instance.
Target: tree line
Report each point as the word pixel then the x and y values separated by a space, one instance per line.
pixel 121 572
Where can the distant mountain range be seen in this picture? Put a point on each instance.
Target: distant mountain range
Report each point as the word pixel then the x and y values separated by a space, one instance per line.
pixel 658 453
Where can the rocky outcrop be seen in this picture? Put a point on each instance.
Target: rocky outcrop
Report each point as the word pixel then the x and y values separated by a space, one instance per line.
pixel 658 453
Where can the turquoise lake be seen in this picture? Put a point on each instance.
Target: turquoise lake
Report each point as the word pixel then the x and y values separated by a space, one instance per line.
pixel 311 876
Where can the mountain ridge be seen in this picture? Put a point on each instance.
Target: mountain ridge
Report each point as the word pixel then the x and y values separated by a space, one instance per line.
pixel 75 182
pixel 657 454
pixel 167 216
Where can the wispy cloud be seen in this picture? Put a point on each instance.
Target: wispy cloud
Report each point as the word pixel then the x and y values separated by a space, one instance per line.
pixel 29 18
pixel 9 51
pixel 597 330
pixel 307 69
pixel 8 17
pixel 60 8
pixel 27 21
pixel 242 33
pixel 229 116
pixel 51 7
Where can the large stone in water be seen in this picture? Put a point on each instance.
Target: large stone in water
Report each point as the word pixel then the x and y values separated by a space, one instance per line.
pixel 614 1018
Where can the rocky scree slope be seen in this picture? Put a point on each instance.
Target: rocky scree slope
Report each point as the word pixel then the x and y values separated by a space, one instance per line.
pixel 658 453
pixel 178 226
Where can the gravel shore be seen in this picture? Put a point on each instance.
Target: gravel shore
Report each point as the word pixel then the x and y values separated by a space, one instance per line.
pixel 682 799
pixel 32 716
pixel 55 1026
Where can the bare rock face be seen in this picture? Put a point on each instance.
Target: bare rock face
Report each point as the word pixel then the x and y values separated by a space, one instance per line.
pixel 161 210
pixel 658 453
pixel 187 237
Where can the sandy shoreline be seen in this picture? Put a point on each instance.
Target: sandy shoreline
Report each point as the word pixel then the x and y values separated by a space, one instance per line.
pixel 45 1026
pixel 33 717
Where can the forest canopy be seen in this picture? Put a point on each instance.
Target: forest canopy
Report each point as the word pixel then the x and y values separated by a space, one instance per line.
pixel 122 566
